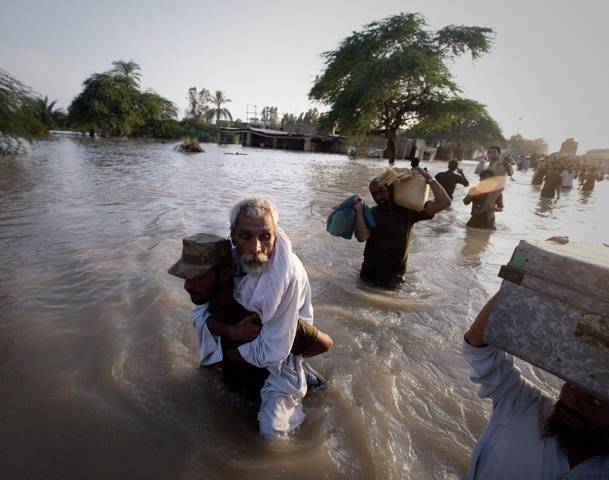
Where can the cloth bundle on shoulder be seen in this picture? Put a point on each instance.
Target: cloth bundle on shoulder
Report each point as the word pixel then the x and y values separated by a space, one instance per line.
pixel 410 190
pixel 341 221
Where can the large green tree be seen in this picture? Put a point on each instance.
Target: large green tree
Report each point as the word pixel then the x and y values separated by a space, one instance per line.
pixel 112 104
pixel 393 74
pixel 218 111
pixel 108 104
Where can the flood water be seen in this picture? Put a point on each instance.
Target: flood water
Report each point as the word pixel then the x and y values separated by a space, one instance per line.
pixel 98 360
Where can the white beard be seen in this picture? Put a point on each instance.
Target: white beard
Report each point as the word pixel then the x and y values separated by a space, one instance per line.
pixel 253 268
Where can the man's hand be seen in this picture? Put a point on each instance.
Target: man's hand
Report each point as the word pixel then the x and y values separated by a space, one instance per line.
pixel 247 329
pixel 475 335
pixel 358 205
pixel 423 172
pixel 233 356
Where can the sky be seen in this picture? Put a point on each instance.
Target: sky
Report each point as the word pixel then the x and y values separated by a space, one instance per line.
pixel 547 74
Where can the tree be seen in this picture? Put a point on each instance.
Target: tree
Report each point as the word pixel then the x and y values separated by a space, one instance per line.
pixel 393 74
pixel 198 103
pixel 310 117
pixel 19 117
pixel 467 125
pixel 218 112
pixel 129 70
pixel 288 118
pixel 270 117
pixel 537 146
pixel 157 114
pixel 108 104
pixel 48 114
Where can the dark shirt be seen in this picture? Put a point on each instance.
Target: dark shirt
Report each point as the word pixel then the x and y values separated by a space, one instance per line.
pixel 386 249
pixel 590 180
pixel 538 177
pixel 483 210
pixel 552 185
pixel 449 180
pixel 242 377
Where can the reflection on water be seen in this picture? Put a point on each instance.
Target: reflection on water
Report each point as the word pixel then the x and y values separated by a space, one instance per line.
pixel 475 243
pixel 97 354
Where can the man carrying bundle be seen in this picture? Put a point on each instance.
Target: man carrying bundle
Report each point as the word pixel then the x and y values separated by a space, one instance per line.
pixel 386 251
pixel 531 436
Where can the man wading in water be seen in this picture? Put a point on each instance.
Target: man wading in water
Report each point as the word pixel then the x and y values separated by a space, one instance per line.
pixel 207 269
pixel 276 287
pixel 386 251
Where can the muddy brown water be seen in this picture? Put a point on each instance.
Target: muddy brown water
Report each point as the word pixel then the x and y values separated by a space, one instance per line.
pixel 98 361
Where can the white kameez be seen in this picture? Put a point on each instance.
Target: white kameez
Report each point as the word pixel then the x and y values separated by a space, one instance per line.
pixel 280 295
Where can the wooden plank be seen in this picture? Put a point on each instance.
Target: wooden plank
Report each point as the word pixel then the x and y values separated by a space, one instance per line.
pixel 553 311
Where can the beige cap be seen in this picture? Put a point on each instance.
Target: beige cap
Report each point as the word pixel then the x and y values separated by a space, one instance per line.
pixel 200 253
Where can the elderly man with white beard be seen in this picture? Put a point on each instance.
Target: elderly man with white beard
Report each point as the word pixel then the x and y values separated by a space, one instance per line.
pixel 274 284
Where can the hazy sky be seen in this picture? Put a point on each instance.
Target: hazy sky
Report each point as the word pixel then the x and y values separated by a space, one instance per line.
pixel 548 65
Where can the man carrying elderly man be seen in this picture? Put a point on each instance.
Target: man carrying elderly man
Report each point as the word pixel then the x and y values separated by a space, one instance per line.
pixel 265 333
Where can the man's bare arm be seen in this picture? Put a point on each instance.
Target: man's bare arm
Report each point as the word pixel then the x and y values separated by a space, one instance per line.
pixel 441 199
pixel 244 331
pixel 360 229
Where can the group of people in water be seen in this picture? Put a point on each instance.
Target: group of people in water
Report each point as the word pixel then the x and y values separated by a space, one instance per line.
pixel 556 174
pixel 253 317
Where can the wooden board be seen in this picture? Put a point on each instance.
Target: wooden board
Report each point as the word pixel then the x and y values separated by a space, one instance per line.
pixel 553 311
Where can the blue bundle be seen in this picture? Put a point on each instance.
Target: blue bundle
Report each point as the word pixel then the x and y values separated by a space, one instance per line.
pixel 341 221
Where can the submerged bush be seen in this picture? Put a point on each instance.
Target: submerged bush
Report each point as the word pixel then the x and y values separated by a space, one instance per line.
pixel 189 145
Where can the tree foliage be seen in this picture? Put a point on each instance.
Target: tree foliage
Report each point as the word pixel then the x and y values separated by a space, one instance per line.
pixel 218 111
pixel 537 146
pixel 466 125
pixel 19 114
pixel 112 104
pixel 270 117
pixel 310 117
pixel 393 74
pixel 128 69
pixel 198 103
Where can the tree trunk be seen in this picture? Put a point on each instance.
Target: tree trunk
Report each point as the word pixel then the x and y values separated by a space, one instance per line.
pixel 390 150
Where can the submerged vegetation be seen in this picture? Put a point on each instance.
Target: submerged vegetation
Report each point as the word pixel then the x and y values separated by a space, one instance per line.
pixel 189 145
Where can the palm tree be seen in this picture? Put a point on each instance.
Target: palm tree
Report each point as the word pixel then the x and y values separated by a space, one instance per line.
pixel 127 69
pixel 218 112
pixel 49 115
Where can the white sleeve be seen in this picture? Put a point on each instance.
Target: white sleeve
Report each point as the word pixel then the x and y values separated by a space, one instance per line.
pixel 272 346
pixel 210 349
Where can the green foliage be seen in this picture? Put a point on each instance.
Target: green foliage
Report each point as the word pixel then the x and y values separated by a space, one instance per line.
pixel 464 124
pixel 19 114
pixel 198 103
pixel 393 74
pixel 310 117
pixel 270 117
pixel 537 146
pixel 218 112
pixel 130 70
pixel 204 132
pixel 112 104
